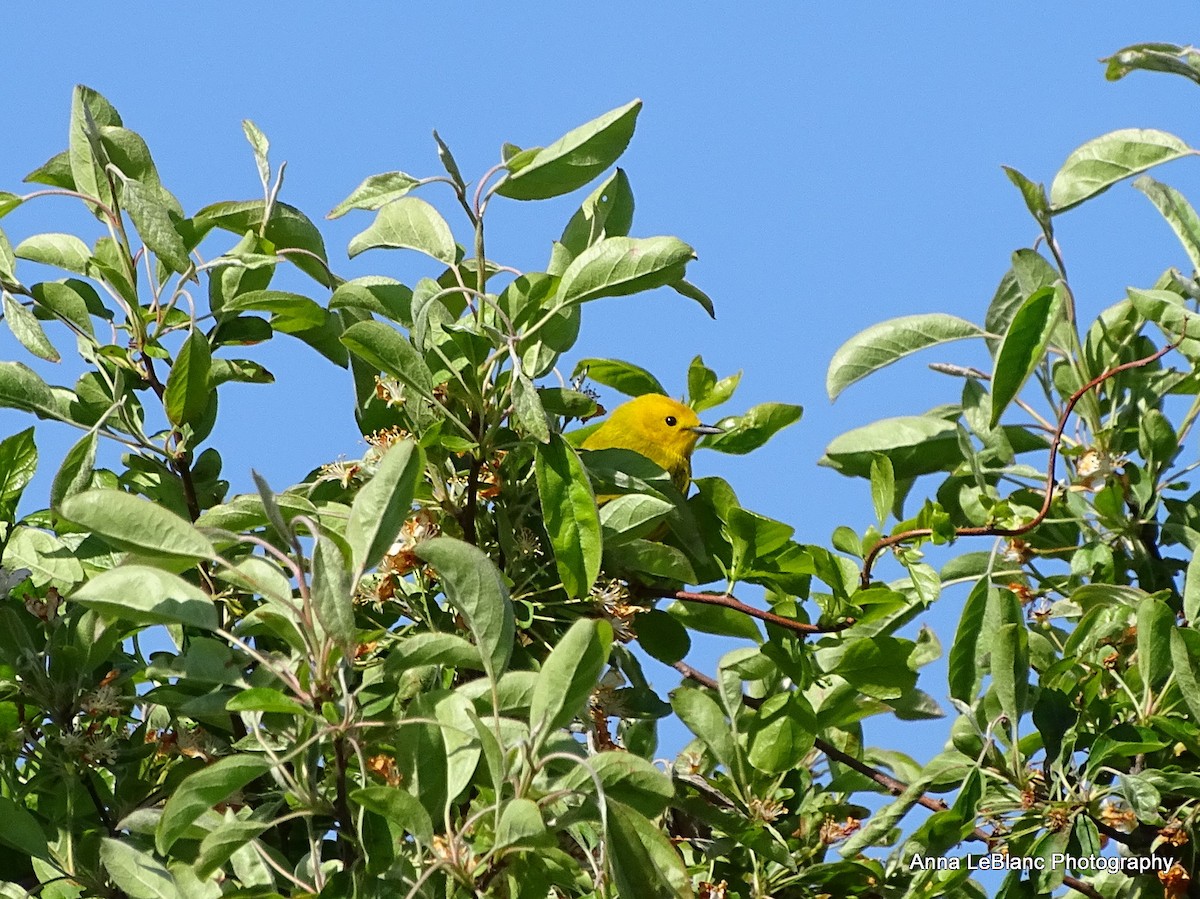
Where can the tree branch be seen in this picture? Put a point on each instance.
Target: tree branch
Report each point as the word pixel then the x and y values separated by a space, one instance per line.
pixel 727 601
pixel 991 530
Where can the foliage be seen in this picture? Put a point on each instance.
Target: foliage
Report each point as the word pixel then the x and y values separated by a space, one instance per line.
pixel 420 673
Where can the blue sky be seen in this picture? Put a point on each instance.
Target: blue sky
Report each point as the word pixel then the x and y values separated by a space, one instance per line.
pixel 833 164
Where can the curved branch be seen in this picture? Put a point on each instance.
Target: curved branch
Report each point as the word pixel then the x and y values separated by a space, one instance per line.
pixel 732 602
pixel 991 530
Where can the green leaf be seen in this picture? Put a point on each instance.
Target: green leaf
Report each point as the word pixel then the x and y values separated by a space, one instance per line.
pixel 49 560
pixel 781 733
pixel 138 525
pixel 475 587
pixel 399 807
pixel 375 192
pixel 607 212
pixel 878 667
pixel 573 160
pixel 645 557
pixel 1034 195
pixel 138 874
pixel 21 388
pixel 382 505
pixel 887 342
pixel 1023 347
pixel 965 675
pixel 189 385
pixel 391 353
pixel 1185 654
pixel 261 147
pixel 619 266
pixel 153 220
pixel 18 462
pixel 521 825
pixel 703 717
pixel 744 433
pixel 1154 57
pixel 644 862
pixel 1191 590
pixel 715 620
pixel 222 842
pixel 75 473
pixel 331 587
pixel 290 312
pixel 1166 309
pixel 528 413
pixel 625 777
pixel 408 223
pixel 28 330
pixel 1155 621
pixel 569 513
pixel 568 676
pixel 264 699
pixel 287 229
pixel 687 289
pixel 202 790
pixel 85 152
pixel 1178 212
pixel 1102 162
pixel 631 516
pixel 624 377
pixel 71 301
pixel 21 830
pixel 382 296
pixel 65 251
pixel 883 487
pixel 662 636
pixel 1010 669
pixel 144 595
pixel 8 202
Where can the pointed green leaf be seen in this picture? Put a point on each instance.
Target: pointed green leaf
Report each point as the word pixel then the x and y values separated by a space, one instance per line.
pixel 260 146
pixel 144 595
pixel 152 218
pixel 202 790
pixel 383 503
pixel 568 676
pixel 408 223
pixel 1102 162
pixel 619 266
pixel 645 863
pixel 65 251
pixel 222 842
pixel 607 212
pixel 744 433
pixel 21 830
pixel 331 597
pixel 189 385
pixel 1154 57
pixel 528 413
pixel 1024 347
pixel 475 587
pixel 399 807
pixel 573 160
pixel 387 350
pixel 28 330
pixel 569 512
pixel 75 473
pixel 137 874
pixel 375 192
pixel 1010 669
pixel 132 523
pixel 624 377
pixel 887 342
pixel 1177 211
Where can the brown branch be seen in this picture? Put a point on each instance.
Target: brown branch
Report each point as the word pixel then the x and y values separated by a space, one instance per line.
pixel 894 786
pixel 732 602
pixel 991 530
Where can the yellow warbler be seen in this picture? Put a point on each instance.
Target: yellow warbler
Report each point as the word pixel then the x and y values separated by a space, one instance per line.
pixel 663 430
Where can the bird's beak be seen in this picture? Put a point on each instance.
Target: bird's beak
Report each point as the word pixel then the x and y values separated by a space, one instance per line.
pixel 707 429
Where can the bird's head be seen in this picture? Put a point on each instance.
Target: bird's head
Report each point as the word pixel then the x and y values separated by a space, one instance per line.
pixel 664 422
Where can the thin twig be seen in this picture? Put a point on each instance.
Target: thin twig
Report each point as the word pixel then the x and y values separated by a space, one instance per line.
pixel 732 602
pixel 991 530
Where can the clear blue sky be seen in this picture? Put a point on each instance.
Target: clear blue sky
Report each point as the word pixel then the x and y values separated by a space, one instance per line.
pixel 834 165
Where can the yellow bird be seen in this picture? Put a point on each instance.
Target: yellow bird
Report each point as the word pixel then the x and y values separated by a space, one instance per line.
pixel 663 430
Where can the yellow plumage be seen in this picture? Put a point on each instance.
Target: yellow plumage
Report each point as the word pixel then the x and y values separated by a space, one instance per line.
pixel 663 430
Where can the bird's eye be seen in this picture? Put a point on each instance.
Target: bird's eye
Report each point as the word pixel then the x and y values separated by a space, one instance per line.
pixel 671 422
